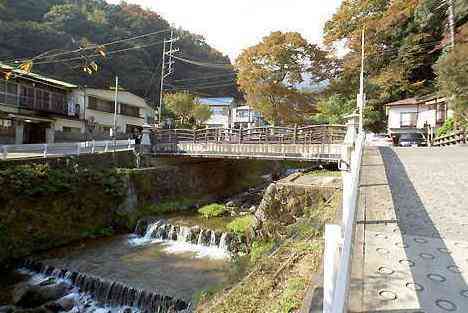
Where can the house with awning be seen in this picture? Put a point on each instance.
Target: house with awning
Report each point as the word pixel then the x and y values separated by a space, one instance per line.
pixel 418 114
pixel 33 107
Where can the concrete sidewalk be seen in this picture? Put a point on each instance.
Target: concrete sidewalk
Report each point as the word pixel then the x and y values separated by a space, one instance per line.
pixel 411 251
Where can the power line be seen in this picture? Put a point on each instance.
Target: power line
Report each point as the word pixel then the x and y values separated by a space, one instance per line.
pixel 204 77
pixel 205 87
pixel 203 64
pixel 42 56
pixel 95 55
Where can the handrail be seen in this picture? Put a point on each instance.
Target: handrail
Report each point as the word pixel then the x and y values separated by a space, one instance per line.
pixel 267 134
pixel 454 138
pixel 339 239
pixel 62 149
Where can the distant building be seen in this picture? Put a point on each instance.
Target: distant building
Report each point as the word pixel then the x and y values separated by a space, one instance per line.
pixel 245 117
pixel 33 107
pixel 417 115
pixel 221 109
pixel 97 109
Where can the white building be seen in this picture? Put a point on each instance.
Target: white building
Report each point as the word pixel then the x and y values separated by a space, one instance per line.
pixel 33 107
pixel 417 115
pixel 245 117
pixel 97 111
pixel 221 109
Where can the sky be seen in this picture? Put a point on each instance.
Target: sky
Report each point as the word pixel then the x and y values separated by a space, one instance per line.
pixel 233 25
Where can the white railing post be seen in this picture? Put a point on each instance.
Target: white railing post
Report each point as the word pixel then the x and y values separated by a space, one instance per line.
pixel 78 148
pixel 4 152
pixel 330 257
pixel 93 147
pixel 129 144
pixel 106 147
pixel 44 154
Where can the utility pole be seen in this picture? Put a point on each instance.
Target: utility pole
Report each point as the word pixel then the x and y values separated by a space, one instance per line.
pixel 114 127
pixel 361 99
pixel 451 12
pixel 163 70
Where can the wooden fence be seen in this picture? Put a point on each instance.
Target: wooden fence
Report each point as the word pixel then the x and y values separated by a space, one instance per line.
pixel 317 134
pixel 455 138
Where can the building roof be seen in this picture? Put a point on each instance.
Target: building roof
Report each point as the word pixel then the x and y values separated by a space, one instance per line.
pixel 408 101
pixel 427 99
pixel 123 97
pixel 222 101
pixel 37 77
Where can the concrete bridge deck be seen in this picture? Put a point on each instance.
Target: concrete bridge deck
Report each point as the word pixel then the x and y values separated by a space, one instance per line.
pixel 411 251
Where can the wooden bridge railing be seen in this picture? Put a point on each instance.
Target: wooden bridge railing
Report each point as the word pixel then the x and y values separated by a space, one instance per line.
pixel 455 138
pixel 316 134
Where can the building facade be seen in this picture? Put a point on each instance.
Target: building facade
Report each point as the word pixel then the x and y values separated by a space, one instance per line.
pixel 221 109
pixel 32 106
pixel 424 114
pixel 245 117
pixel 97 111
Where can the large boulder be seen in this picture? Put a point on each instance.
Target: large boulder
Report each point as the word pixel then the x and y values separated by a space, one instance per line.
pixel 31 296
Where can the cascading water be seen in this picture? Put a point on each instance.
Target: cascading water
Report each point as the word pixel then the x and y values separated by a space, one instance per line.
pixel 93 293
pixel 203 242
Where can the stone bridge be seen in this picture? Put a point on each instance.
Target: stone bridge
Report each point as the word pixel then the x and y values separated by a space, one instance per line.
pixel 311 143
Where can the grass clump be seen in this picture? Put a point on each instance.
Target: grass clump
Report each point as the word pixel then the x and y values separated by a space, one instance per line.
pixel 212 210
pixel 260 248
pixel 241 225
pixel 169 206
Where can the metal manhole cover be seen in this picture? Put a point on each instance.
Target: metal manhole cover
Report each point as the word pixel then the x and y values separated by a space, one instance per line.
pixel 382 251
pixel 414 286
pixel 385 270
pixel 407 262
pixel 388 295
pixel 461 244
pixel 401 244
pixel 427 256
pixel 446 305
pixel 436 277
pixel 454 269
pixel 420 240
pixel 444 250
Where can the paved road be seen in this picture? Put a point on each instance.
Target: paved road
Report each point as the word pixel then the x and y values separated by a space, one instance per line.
pixel 414 223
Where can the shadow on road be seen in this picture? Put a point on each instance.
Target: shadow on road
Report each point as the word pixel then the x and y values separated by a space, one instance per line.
pixel 434 275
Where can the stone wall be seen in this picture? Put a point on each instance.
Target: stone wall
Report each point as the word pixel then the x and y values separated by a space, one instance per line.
pixel 73 198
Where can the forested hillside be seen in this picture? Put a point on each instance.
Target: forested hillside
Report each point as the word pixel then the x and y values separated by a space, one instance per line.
pixel 28 28
pixel 405 40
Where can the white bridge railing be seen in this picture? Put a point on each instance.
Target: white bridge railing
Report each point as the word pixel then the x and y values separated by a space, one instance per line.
pixel 63 149
pixel 339 239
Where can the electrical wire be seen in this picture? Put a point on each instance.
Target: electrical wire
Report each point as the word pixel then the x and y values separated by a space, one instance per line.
pixel 41 56
pixel 95 55
pixel 203 78
pixel 205 87
pixel 203 64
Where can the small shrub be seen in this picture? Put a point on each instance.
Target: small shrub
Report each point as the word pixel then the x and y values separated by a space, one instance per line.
pixel 167 207
pixel 241 225
pixel 212 210
pixel 447 128
pixel 259 249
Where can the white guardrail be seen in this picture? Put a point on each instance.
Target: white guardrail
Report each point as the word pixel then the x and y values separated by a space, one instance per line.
pixel 63 149
pixel 339 239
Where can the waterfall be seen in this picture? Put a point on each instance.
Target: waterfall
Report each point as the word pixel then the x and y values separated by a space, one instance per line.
pixel 200 238
pixel 223 242
pixel 165 232
pixel 109 293
pixel 213 239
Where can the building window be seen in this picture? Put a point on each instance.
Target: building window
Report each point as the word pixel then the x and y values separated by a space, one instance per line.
pixel 11 93
pixel 129 110
pixel 219 110
pixel 441 113
pixel 42 100
pixel 58 103
pixel 6 128
pixel 74 130
pixel 27 96
pixel 242 113
pixel 408 119
pixel 100 105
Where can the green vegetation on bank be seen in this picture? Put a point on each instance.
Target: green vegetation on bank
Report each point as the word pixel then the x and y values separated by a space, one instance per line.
pixel 242 225
pixel 212 210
